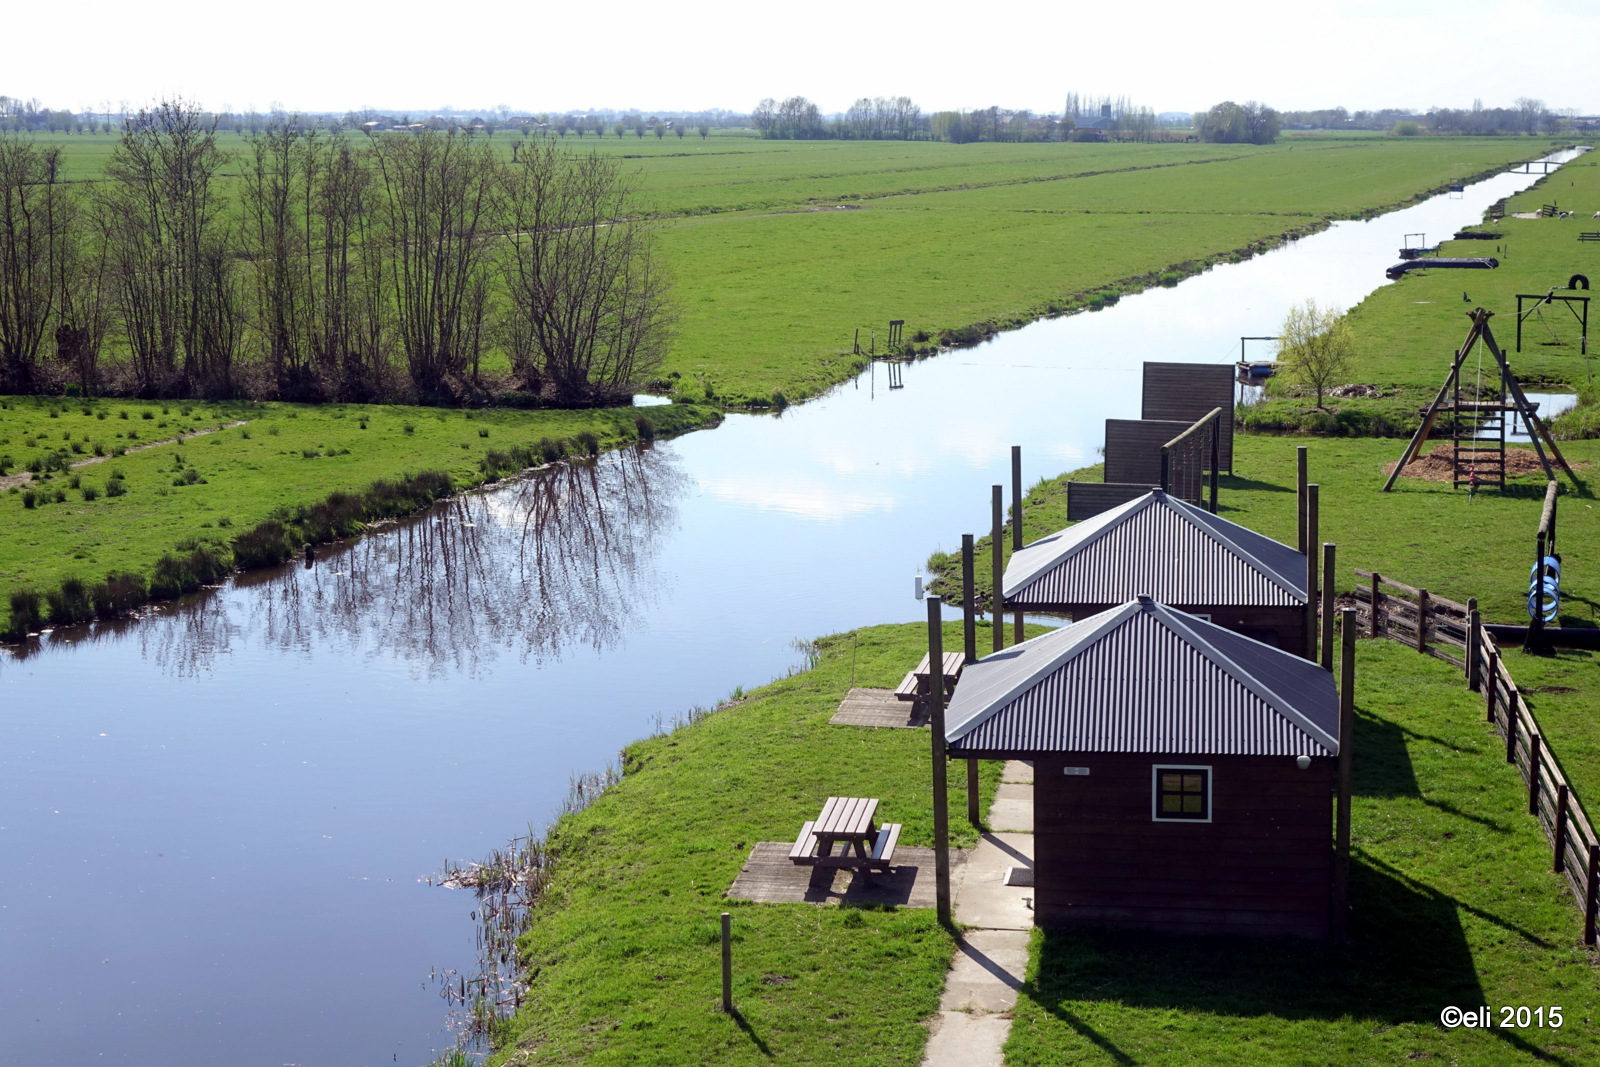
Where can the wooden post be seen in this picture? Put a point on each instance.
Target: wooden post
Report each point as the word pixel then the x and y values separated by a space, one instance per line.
pixel 1375 595
pixel 1494 681
pixel 1591 895
pixel 1511 727
pixel 969 602
pixel 727 964
pixel 1016 497
pixel 941 799
pixel 1534 642
pixel 1311 573
pixel 1347 729
pixel 972 792
pixel 1474 645
pixel 1533 773
pixel 1422 620
pixel 1300 497
pixel 1327 606
pixel 1562 800
pixel 1216 458
pixel 997 544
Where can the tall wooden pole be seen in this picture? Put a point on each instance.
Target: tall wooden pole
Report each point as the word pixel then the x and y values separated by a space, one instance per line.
pixel 1474 645
pixel 1300 497
pixel 727 964
pixel 1327 605
pixel 1347 731
pixel 1016 526
pixel 1216 458
pixel 941 799
pixel 997 544
pixel 1311 573
pixel 969 601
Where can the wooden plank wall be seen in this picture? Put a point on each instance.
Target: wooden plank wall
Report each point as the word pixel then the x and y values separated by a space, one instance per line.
pixel 1184 392
pixel 1263 865
pixel 1085 500
pixel 1133 448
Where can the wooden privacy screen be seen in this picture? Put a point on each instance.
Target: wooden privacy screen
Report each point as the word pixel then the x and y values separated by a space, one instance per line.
pixel 1133 448
pixel 1184 392
pixel 1085 500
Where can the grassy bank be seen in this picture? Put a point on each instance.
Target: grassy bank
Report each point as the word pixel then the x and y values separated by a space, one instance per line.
pixel 247 464
pixel 1407 332
pixel 1453 903
pixel 624 952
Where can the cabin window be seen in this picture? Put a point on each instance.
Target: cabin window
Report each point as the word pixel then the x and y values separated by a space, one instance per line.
pixel 1181 794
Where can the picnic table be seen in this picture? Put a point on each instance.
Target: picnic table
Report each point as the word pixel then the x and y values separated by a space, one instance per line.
pixel 847 821
pixel 915 685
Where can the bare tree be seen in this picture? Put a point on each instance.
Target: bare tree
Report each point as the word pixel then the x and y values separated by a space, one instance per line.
pixel 438 195
pixel 347 329
pixel 582 277
pixel 279 239
pixel 35 216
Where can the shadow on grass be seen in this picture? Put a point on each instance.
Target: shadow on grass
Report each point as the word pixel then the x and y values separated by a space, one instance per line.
pixel 1408 958
pixel 1234 481
pixel 749 1031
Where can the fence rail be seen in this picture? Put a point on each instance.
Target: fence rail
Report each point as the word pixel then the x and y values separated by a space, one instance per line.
pixel 1439 627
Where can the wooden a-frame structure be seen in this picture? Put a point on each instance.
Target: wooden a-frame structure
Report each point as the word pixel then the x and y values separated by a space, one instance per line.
pixel 1483 414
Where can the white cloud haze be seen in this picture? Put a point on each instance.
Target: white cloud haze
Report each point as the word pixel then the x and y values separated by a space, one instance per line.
pixel 334 56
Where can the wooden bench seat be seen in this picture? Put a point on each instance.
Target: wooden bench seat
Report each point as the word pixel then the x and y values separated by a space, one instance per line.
pixel 804 846
pixel 1589 236
pixel 883 848
pixel 907 689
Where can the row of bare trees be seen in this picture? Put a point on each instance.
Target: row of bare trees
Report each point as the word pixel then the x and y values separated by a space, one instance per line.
pixel 332 267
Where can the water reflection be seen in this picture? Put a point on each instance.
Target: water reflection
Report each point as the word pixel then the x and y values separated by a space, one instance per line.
pixel 562 557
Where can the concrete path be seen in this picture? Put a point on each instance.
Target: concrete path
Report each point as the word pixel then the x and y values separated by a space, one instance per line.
pixel 974 1017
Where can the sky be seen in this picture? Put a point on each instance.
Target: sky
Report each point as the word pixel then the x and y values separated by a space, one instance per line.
pixel 332 55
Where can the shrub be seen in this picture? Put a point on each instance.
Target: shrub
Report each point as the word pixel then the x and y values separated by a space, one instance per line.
pixel 29 498
pixel 385 499
pixel 552 450
pixel 75 481
pixel 115 487
pixel 268 545
pixel 338 516
pixel 147 415
pixel 207 565
pixel 779 401
pixel 99 449
pixel 70 603
pixel 589 443
pixel 483 431
pixel 60 496
pixel 121 591
pixel 25 616
pixel 408 428
pixel 494 462
pixel 171 578
pixel 122 414
pixel 646 428
pixel 90 492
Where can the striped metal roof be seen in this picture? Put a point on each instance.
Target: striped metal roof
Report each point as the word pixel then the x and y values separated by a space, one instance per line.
pixel 1143 677
pixel 1160 546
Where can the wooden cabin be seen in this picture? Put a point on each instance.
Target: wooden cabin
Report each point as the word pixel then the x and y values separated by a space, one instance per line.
pixel 1181 555
pixel 1183 773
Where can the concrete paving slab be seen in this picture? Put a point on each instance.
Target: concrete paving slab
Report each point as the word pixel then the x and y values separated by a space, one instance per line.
pixel 982 897
pixel 966 1039
pixel 987 971
pixel 1012 808
pixel 1017 771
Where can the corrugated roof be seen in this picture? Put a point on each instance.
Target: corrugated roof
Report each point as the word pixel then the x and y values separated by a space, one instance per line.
pixel 1160 546
pixel 1142 677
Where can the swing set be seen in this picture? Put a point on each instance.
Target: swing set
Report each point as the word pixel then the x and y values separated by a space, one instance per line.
pixel 1578 305
pixel 1478 458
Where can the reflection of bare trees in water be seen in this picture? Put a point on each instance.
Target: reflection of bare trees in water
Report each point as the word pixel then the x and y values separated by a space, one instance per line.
pixel 549 561
pixel 557 559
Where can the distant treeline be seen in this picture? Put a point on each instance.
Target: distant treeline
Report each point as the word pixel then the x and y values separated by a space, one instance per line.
pixel 899 118
pixel 335 266
pixel 1526 116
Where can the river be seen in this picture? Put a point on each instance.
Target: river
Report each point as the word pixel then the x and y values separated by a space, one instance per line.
pixel 216 820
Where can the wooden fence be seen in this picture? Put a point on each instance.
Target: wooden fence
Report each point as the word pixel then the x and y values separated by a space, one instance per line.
pixel 1439 627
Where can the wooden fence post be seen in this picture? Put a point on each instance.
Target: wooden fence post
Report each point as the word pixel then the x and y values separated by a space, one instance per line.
pixel 1422 620
pixel 1535 642
pixel 1300 497
pixel 1533 773
pixel 1327 606
pixel 941 799
pixel 1311 573
pixel 1511 727
pixel 1562 801
pixel 1494 681
pixel 727 964
pixel 1216 458
pixel 1474 645
pixel 969 603
pixel 1347 724
pixel 972 792
pixel 1016 527
pixel 1375 596
pixel 1590 894
pixel 997 544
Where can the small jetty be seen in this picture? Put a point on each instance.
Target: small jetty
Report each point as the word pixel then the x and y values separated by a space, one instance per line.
pixel 1453 262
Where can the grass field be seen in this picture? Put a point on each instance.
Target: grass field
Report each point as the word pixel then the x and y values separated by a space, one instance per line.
pixel 782 249
pixel 1452 903
pixel 624 952
pixel 282 456
pixel 1408 332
